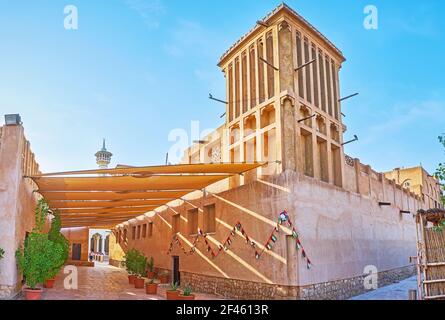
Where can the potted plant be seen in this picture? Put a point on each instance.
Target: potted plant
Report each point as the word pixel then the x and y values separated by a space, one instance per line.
pixel 129 262
pixel 163 276
pixel 173 293
pixel 187 294
pixel 151 287
pixel 36 261
pixel 151 268
pixel 39 255
pixel 140 267
pixel 57 237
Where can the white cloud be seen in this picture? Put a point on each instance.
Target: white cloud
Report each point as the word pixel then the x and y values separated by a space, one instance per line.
pixel 403 116
pixel 190 37
pixel 149 10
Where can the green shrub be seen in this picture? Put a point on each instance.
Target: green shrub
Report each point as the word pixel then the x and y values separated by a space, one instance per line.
pixel 40 258
pixel 129 261
pixel 2 253
pixel 37 258
pixel 55 236
pixel 140 265
pixel 135 263
pixel 41 213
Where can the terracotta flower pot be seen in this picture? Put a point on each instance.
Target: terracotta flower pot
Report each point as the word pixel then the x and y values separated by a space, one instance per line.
pixel 49 283
pixel 33 294
pixel 150 274
pixel 139 283
pixel 172 295
pixel 131 278
pixel 163 279
pixel 190 297
pixel 151 288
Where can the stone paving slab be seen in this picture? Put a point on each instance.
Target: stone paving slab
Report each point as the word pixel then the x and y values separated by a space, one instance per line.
pixel 104 282
pixel 397 291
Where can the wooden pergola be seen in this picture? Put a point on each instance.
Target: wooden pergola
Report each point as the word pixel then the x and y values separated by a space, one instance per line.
pixel 107 197
pixel 431 254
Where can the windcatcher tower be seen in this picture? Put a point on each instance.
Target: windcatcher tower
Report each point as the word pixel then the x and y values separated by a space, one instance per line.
pixel 281 108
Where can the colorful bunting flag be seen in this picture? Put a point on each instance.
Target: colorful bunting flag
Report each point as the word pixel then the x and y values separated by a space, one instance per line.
pixel 283 217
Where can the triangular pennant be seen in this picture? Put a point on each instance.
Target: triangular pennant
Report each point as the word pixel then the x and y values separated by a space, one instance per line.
pixel 252 244
pixel 238 226
pixel 229 241
pixel 257 255
pixel 303 253
pixel 273 238
pixel 283 216
pixel 294 234
pixel 233 233
pixel 269 246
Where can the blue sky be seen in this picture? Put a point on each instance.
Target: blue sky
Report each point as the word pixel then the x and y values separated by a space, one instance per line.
pixel 136 69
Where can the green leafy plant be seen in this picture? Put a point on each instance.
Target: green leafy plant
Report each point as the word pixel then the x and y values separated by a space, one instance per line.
pixel 140 265
pixel 187 291
pixel 151 265
pixel 37 258
pixel 135 262
pixel 2 253
pixel 41 213
pixel 58 238
pixel 129 261
pixel 440 172
pixel 174 286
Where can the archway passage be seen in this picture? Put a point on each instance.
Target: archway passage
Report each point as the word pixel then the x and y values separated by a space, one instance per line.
pixel 107 197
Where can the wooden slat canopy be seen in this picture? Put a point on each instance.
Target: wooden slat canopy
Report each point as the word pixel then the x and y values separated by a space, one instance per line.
pixel 106 198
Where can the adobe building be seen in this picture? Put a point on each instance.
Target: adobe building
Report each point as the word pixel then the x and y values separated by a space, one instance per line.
pixel 285 113
pixel 419 181
pixel 17 199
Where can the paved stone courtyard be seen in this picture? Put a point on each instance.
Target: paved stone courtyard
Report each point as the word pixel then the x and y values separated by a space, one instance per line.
pixel 397 291
pixel 104 282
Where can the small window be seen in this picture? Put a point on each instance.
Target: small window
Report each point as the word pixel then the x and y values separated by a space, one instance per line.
pixel 192 217
pixel 144 231
pixel 209 224
pixel 139 232
pixel 133 233
pixel 176 223
pixel 150 229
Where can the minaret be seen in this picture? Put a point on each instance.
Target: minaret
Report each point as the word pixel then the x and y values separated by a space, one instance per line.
pixel 103 157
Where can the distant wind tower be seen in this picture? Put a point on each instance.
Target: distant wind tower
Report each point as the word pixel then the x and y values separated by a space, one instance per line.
pixel 103 157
